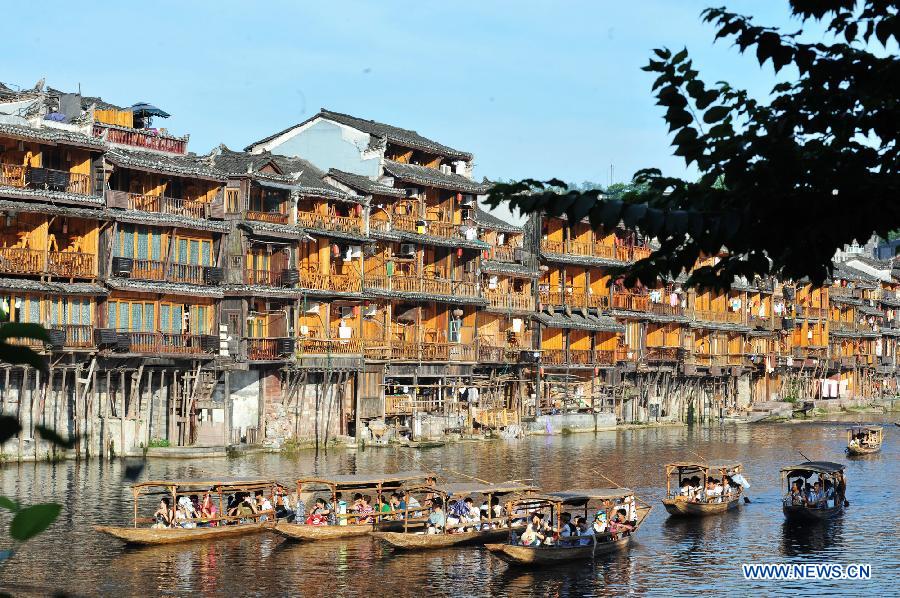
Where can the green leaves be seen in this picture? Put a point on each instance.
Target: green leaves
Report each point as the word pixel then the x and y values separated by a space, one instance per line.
pixel 715 114
pixel 20 355
pixel 33 520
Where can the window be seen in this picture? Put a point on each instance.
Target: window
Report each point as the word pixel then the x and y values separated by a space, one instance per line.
pixel 232 201
pixel 196 252
pixel 141 242
pixel 20 308
pixel 135 316
pixel 69 310
pixel 455 330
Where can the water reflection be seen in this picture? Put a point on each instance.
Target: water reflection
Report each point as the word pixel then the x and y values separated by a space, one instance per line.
pixel 669 554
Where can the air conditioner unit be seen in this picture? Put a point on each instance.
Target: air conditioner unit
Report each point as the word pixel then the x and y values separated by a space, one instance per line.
pixel 467 200
pixel 346 311
pixel 446 169
pixel 407 249
pixel 413 192
pixel 122 266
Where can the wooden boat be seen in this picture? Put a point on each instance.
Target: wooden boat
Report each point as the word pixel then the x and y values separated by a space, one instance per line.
pixel 334 488
pixel 699 505
pixel 575 548
pixel 833 473
pixel 415 522
pixel 141 533
pixel 864 440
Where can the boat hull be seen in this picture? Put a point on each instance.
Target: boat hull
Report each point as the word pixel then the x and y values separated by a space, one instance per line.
pixel 549 555
pixel 862 450
pixel 801 513
pixel 149 537
pixel 683 508
pixel 311 533
pixel 408 541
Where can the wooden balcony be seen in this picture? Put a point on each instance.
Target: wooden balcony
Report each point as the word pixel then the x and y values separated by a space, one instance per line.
pixel 427 351
pixel 172 272
pixel 70 264
pixel 666 309
pixel 266 278
pixel 326 346
pixel 811 312
pixel 416 284
pixel 598 300
pixel 77 336
pixel 263 349
pixel 553 246
pixel 554 298
pixel 630 302
pixel 554 357
pixel 143 138
pixel 709 315
pixel 14 260
pixel 639 253
pixel 270 217
pixel 165 343
pixel 495 351
pixel 510 301
pixel 851 327
pixel 345 224
pixel 581 357
pixel 159 204
pixel 336 283
pixel 661 354
pixel 586 248
pixel 12 175
pixel 49 179
pixel 504 253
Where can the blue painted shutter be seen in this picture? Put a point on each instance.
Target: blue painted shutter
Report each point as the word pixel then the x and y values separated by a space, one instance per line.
pixel 149 317
pixel 143 244
pixel 206 257
pixel 128 241
pixel 111 316
pixel 136 320
pixel 194 259
pixel 182 251
pixel 156 248
pixel 85 312
pixel 34 311
pixel 177 318
pixel 164 319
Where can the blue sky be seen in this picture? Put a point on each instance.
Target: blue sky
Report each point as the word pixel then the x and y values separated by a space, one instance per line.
pixel 534 89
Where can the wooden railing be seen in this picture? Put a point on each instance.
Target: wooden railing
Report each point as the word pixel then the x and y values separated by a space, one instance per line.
pixel 12 175
pixel 586 248
pixel 267 278
pixel 379 226
pixel 78 336
pixel 811 312
pixel 504 253
pixel 338 283
pixel 665 308
pixel 164 342
pixel 346 224
pixel 514 301
pixel 839 326
pixel 70 264
pixel 600 300
pixel 262 348
pixel 553 246
pixel 630 302
pixel 15 260
pixel 174 272
pixel 639 253
pixel 416 284
pixel 325 346
pixel 142 138
pixel 271 217
pixel 190 208
pixel 581 356
pixel 554 298
pixel 657 354
pixel 554 356
pixel 709 315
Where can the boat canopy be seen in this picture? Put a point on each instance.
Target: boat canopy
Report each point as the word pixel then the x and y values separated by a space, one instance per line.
pixel 814 467
pixel 221 485
pixel 467 488
pixel 705 465
pixel 862 428
pixel 361 480
pixel 582 496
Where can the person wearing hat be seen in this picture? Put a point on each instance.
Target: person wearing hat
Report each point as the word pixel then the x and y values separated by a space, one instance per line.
pixel 600 522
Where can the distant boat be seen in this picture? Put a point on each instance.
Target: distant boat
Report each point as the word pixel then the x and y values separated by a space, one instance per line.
pixel 864 440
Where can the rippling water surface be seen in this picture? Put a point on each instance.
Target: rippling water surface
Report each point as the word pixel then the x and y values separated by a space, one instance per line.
pixel 669 556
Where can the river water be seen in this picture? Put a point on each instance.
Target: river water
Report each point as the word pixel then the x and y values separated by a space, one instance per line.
pixel 669 557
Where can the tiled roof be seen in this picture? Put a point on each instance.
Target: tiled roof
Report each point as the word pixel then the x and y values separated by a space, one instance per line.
pixel 432 177
pixel 396 135
pixel 157 219
pixel 579 321
pixel 165 288
pixel 268 229
pixel 53 196
pixel 512 268
pixel 48 208
pixel 189 165
pixel 51 135
pixel 75 288
pixel 364 184
pixel 584 260
pixel 485 219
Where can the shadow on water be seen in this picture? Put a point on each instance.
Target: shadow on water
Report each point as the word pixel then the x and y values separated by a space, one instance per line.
pixel 811 537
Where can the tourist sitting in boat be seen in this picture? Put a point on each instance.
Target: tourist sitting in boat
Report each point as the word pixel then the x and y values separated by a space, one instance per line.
pixel 567 527
pixel 208 511
pixel 816 497
pixel 536 532
pixel 364 509
pixel 163 515
pixel 185 513
pixel 600 522
pixel 797 496
pixel 320 514
pixel 246 508
pixel 283 505
pixel 263 505
pixel 437 521
pixel 619 526
pixel 686 489
pixel 398 505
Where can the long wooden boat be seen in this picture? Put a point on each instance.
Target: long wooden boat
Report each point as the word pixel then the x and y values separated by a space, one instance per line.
pixel 826 470
pixel 864 440
pixel 410 541
pixel 414 534
pixel 335 486
pixel 141 533
pixel 572 549
pixel 683 506
pixel 148 536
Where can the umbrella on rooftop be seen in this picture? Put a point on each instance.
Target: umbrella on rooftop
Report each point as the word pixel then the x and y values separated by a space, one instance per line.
pixel 145 109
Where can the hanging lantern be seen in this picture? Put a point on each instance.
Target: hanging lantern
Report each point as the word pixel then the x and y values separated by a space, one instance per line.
pixel 335 250
pixel 596 372
pixel 420 227
pixel 459 252
pixel 355 311
pixel 541 370
pixel 359 209
pixel 457 313
pixel 459 197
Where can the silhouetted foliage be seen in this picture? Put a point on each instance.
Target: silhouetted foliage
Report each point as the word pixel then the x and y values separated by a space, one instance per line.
pixel 783 184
